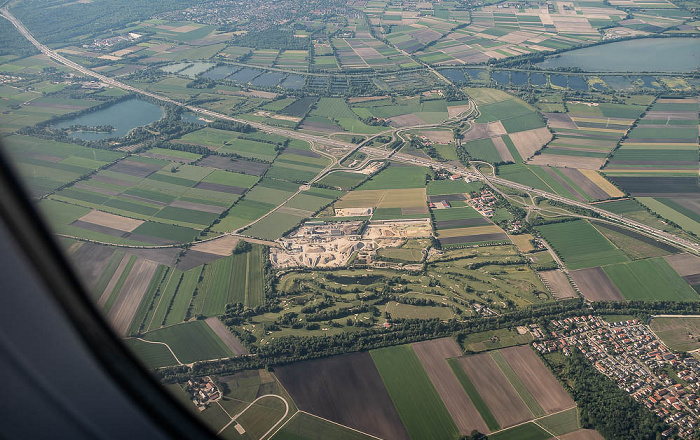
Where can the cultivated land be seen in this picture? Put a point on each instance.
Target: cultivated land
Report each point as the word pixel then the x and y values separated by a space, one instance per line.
pixel 679 333
pixel 188 188
pixel 345 389
pixel 419 406
pixel 495 389
pixel 433 356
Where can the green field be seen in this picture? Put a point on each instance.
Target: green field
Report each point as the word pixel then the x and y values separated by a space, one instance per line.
pixel 342 179
pixel 230 280
pixel 678 333
pixel 561 423
pixel 650 280
pixel 305 426
pixel 438 187
pixel 580 245
pixel 152 355
pixel 528 431
pixel 474 396
pixel 191 341
pixel 397 177
pixel 494 339
pixel 416 400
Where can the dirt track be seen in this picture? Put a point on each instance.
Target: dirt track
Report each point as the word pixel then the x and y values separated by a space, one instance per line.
pixel 493 386
pixel 538 379
pixel 433 355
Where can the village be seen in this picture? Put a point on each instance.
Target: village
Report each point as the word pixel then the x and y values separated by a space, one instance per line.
pixel 630 354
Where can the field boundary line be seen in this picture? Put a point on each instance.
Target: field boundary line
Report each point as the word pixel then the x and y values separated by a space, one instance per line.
pixel 153 315
pixel 340 424
pixel 162 343
pixel 534 420
pixel 234 418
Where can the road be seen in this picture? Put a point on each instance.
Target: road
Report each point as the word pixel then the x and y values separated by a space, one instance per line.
pixel 400 157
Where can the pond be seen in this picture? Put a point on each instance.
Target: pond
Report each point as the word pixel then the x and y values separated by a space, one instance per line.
pixel 124 116
pixel 641 55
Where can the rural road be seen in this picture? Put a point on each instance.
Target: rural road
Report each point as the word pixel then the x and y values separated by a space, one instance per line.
pixel 400 157
pixel 234 418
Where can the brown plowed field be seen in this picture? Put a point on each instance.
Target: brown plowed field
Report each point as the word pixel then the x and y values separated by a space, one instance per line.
pixel 488 130
pixel 111 221
pixel 560 120
pixel 582 434
pixel 595 285
pixel 226 336
pixel 684 264
pixel 556 160
pixel 529 141
pixel 198 207
pixel 493 386
pixel 502 149
pixel 104 295
pixel 585 184
pixel 538 379
pixel 124 308
pixel 557 283
pixel 90 261
pixel 346 389
pixel 433 355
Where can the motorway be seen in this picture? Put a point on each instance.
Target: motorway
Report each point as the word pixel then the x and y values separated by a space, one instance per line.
pixel 377 152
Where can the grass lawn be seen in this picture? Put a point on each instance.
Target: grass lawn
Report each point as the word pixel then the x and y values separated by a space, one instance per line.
pixel 650 280
pixel 416 400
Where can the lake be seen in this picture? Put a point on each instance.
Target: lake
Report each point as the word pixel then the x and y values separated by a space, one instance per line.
pixel 124 116
pixel 642 55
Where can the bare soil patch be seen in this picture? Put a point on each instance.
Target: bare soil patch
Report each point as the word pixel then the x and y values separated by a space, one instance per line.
pixel 555 160
pixel 560 120
pixel 111 221
pixel 493 386
pixel 406 120
pixel 595 285
pixel 529 141
pixel 90 261
pixel 580 197
pixel 166 256
pixel 557 283
pixel 585 184
pixel 226 336
pixel 537 378
pixel 193 258
pixel 221 246
pixel 124 308
pixel 112 282
pixel 433 356
pixel 684 264
pixel 346 389
pixel 488 130
pixel 135 169
pixel 502 149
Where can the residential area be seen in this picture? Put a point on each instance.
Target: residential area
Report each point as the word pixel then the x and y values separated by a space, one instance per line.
pixel 630 354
